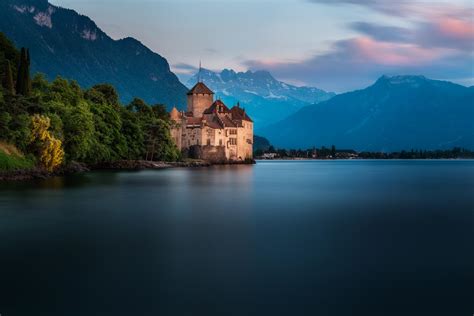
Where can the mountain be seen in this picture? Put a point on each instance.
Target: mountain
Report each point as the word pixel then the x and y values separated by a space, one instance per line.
pixel 395 113
pixel 63 42
pixel 266 99
pixel 260 143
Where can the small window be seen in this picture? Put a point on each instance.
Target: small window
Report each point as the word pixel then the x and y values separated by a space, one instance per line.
pixel 220 142
pixel 208 142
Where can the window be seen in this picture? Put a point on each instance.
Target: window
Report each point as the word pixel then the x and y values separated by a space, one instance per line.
pixel 233 141
pixel 208 142
pixel 220 142
pixel 233 131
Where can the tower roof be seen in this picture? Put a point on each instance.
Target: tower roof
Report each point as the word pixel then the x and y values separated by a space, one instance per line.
pixel 217 107
pixel 239 114
pixel 200 88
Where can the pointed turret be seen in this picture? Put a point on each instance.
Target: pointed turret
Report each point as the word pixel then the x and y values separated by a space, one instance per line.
pixel 174 114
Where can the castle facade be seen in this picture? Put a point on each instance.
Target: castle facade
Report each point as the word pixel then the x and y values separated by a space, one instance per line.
pixel 210 130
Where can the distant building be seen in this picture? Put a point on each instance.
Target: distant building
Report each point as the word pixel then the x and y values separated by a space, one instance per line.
pixel 210 130
pixel 269 155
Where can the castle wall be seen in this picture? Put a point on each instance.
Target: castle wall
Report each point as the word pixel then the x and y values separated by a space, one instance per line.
pixel 177 134
pixel 245 141
pixel 191 137
pixel 213 154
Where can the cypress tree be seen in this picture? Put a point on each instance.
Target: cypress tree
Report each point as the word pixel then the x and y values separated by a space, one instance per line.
pixel 23 84
pixel 27 74
pixel 8 84
pixel 20 82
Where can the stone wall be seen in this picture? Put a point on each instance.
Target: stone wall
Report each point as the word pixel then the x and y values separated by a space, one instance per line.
pixel 214 154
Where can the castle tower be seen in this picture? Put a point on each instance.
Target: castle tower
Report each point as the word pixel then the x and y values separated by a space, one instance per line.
pixel 174 114
pixel 200 97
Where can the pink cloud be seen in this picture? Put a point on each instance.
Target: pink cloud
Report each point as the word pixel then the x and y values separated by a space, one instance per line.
pixel 437 40
pixel 392 54
pixel 457 28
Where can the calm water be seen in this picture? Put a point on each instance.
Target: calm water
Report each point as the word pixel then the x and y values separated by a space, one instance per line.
pixel 277 238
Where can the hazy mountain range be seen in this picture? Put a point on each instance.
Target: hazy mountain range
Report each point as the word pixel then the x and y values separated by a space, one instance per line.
pixel 63 42
pixel 395 113
pixel 266 99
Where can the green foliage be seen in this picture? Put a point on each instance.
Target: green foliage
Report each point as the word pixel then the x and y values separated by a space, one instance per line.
pixel 20 80
pixel 8 79
pixel 89 126
pixel 8 54
pixel 160 145
pixel 23 82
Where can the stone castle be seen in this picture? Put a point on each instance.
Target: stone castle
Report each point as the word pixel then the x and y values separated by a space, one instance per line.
pixel 211 131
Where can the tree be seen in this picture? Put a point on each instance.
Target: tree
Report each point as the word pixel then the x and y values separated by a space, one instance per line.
pixel 23 83
pixel 27 76
pixel 109 143
pixel 159 111
pixel 8 81
pixel 160 145
pixel 133 133
pixel 49 149
pixel 108 94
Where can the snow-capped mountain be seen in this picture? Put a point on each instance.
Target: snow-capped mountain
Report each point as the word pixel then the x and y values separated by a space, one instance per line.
pixel 266 99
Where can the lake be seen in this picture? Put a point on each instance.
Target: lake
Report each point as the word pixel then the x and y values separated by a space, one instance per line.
pixel 277 238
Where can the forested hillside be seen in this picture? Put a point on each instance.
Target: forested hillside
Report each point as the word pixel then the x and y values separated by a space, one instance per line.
pixel 57 122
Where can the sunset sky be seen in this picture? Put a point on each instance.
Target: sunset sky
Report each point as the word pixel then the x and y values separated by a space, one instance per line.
pixel 336 45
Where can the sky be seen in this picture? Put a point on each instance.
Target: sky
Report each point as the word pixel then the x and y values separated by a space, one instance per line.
pixel 336 45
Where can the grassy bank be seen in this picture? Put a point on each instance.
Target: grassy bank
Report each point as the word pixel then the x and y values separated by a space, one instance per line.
pixel 12 159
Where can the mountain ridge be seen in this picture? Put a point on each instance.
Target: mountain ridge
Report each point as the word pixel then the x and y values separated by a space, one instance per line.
pixel 266 99
pixel 394 113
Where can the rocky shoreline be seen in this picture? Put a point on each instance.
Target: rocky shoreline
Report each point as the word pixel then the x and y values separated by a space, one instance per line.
pixel 131 165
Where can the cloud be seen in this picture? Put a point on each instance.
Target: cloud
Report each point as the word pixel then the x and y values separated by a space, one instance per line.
pixel 447 31
pixel 383 33
pixel 357 62
pixel 437 40
pixel 183 68
pixel 441 32
pixel 399 7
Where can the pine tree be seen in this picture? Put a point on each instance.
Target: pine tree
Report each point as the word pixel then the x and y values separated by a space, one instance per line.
pixel 8 84
pixel 20 82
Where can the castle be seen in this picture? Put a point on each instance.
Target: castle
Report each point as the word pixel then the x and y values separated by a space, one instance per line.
pixel 210 130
